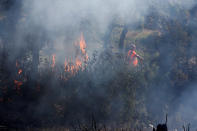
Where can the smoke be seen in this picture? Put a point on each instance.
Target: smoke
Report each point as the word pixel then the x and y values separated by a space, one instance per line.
pixel 58 24
pixel 92 17
pixel 187 107
pixel 54 15
pixel 65 20
pixel 59 14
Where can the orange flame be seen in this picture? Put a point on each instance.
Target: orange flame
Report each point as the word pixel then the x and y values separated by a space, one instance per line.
pixel 71 67
pixel 74 66
pixel 53 61
pixel 78 64
pixel 82 44
pixel 20 71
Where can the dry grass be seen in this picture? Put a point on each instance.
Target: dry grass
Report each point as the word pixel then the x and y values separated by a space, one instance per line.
pixel 135 35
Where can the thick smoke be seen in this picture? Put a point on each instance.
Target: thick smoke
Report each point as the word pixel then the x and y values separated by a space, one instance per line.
pixel 65 20
pixel 58 23
pixel 72 17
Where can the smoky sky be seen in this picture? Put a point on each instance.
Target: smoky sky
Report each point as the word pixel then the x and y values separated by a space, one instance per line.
pixel 54 15
pixel 63 20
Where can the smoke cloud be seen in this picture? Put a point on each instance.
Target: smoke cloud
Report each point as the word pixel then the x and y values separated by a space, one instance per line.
pixel 59 23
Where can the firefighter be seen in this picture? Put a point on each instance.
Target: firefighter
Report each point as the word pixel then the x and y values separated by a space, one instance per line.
pixel 133 56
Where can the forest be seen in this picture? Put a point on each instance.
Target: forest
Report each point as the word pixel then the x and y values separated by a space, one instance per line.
pixel 66 65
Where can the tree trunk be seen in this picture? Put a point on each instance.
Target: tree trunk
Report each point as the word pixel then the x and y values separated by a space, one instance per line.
pixel 122 38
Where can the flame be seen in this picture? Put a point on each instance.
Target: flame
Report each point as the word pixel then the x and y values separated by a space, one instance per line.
pixel 82 44
pixel 20 71
pixel 18 84
pixel 53 61
pixel 78 64
pixel 71 67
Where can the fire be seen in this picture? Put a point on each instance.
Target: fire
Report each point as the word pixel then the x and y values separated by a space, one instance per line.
pixel 82 44
pixel 71 67
pixel 78 64
pixel 53 61
pixel 74 66
pixel 18 84
pixel 20 71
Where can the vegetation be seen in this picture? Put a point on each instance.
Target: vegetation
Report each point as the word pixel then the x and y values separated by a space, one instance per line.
pixel 107 89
